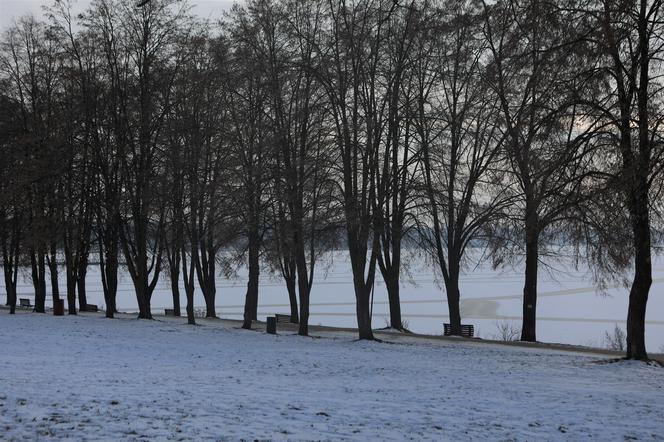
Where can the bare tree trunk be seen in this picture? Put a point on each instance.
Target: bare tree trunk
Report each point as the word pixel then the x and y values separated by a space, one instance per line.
pixel 453 297
pixel 37 260
pixel 70 277
pixel 136 257
pixel 108 267
pixel 10 284
pixel 303 329
pixel 638 295
pixel 303 283
pixel 189 290
pixel 188 278
pixel 11 297
pixel 362 293
pixel 144 309
pixel 210 294
pixel 529 325
pixel 174 270
pixel 292 297
pixel 251 299
pixel 71 286
pixel 10 257
pixel 392 286
pixel 175 290
pixel 363 310
pixel 53 271
pixel 205 264
pixel 80 282
pixel 110 294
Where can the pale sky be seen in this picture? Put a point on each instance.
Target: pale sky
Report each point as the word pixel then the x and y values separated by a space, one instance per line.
pixel 9 9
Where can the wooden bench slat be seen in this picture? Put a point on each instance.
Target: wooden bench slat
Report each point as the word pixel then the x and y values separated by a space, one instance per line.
pixel 283 318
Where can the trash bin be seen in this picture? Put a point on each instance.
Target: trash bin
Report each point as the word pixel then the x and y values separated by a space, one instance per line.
pixel 272 325
pixel 59 307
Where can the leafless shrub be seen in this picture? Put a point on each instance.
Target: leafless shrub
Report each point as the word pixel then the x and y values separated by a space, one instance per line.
pixel 506 331
pixel 616 339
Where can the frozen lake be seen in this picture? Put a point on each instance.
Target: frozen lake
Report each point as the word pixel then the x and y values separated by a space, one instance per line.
pixel 570 309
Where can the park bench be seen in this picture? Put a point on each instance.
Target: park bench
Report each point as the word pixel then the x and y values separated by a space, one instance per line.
pixel 169 312
pixel 90 308
pixel 24 303
pixel 271 324
pixel 283 318
pixel 467 330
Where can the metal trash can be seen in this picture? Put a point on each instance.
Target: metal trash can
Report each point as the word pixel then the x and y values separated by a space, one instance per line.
pixel 59 307
pixel 272 325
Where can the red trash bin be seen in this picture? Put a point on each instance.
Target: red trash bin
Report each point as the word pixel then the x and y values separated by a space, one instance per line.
pixel 59 307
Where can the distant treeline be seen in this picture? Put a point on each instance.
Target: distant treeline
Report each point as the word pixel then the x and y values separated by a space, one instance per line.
pixel 147 136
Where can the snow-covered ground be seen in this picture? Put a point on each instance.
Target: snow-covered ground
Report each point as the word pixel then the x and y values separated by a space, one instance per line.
pixel 570 310
pixel 87 377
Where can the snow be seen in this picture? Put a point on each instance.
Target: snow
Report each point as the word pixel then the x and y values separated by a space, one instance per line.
pixel 90 377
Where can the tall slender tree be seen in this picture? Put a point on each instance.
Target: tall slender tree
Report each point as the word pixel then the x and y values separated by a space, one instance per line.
pixel 250 141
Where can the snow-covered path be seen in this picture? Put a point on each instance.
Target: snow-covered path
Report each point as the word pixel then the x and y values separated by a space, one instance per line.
pixel 90 378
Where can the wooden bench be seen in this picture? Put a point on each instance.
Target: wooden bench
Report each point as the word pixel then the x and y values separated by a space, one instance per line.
pixel 283 318
pixel 90 308
pixel 24 303
pixel 467 330
pixel 169 312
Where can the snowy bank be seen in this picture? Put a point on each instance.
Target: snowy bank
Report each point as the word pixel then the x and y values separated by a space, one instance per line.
pixel 89 377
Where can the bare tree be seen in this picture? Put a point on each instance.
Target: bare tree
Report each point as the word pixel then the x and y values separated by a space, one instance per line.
pixel 32 67
pixel 349 72
pixel 76 190
pixel 250 141
pixel 458 127
pixel 627 37
pixel 535 57
pixel 110 139
pixel 302 168
pixel 11 192
pixel 197 130
pixel 148 60
pixel 399 151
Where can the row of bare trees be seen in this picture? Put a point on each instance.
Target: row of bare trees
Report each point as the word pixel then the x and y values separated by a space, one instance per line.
pixel 145 139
